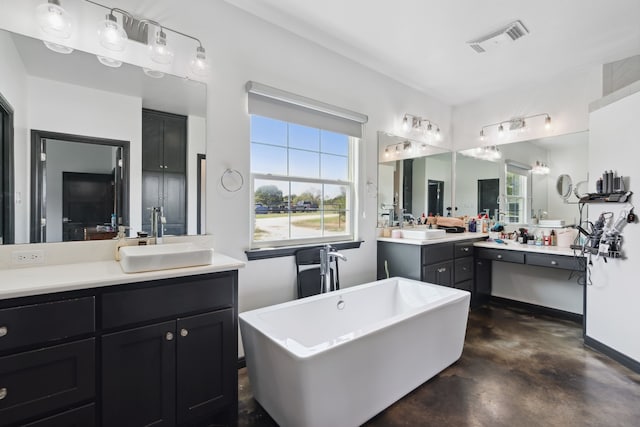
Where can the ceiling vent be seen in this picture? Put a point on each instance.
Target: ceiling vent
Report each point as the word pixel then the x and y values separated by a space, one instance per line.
pixel 510 33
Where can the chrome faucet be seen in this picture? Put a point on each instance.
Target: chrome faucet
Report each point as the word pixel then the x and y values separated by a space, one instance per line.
pixel 328 253
pixel 157 224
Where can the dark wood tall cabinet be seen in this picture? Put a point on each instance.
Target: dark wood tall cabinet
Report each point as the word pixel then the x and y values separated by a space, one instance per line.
pixel 164 169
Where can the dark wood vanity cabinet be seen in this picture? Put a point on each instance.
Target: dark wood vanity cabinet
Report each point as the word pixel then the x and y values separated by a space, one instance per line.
pixel 47 361
pixel 447 264
pixel 159 353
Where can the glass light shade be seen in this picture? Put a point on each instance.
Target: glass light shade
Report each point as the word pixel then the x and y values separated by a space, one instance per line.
pixel 54 20
pixel 109 62
pixel 155 74
pixel 159 51
pixel 547 122
pixel 111 34
pixel 405 124
pixel 198 64
pixel 57 47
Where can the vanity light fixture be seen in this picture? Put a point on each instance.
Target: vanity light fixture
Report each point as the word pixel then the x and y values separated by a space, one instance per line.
pixel 421 124
pixel 516 124
pixel 56 23
pixel 540 168
pixel 400 149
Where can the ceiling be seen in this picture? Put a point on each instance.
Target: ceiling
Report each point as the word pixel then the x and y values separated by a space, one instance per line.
pixel 422 43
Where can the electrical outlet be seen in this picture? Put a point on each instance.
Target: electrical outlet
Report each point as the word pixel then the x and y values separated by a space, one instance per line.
pixel 27 257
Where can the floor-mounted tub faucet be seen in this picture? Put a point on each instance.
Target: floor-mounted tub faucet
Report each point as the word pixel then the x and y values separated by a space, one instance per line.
pixel 327 254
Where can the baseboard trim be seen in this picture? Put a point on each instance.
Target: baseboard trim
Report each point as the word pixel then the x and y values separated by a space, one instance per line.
pixel 623 359
pixel 553 312
pixel 242 362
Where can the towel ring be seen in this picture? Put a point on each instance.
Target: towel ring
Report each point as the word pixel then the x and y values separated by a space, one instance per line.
pixel 231 180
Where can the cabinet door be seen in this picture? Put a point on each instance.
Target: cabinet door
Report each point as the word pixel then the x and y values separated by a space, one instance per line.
pixel 482 276
pixel 175 144
pixel 83 416
pixel 138 376
pixel 175 203
pixel 207 375
pixel 152 141
pixel 440 274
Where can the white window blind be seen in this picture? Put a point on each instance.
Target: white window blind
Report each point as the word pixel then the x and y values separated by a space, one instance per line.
pixel 278 104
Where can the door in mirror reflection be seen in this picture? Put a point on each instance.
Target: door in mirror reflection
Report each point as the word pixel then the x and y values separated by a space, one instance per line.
pixel 79 187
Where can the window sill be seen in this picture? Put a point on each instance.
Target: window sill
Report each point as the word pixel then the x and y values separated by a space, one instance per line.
pixel 256 254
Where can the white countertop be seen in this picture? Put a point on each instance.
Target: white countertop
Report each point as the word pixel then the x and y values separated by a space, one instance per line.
pixel 514 246
pixel 449 237
pixel 20 282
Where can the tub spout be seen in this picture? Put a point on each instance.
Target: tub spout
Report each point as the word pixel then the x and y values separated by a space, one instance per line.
pixel 327 254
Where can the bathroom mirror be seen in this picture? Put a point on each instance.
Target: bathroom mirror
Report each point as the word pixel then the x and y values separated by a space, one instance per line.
pixel 74 94
pixel 564 184
pixel 480 184
pixel 414 177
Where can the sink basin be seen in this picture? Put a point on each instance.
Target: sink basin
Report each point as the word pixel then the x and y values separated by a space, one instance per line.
pixel 136 259
pixel 424 234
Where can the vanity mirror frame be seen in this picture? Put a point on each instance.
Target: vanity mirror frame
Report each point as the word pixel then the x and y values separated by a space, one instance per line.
pixel 7 198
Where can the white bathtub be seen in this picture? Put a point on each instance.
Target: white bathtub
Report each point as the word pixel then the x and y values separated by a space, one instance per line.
pixel 338 359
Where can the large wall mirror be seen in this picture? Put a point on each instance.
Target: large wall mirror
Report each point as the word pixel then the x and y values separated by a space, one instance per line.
pixel 90 119
pixel 516 187
pixel 414 177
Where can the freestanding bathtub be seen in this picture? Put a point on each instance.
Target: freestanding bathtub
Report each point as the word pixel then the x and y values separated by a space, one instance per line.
pixel 338 359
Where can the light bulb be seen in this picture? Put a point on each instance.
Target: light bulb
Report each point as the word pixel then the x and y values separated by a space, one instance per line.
pixel 54 20
pixel 109 62
pixel 547 122
pixel 405 124
pixel 160 52
pixel 155 74
pixel 199 65
pixel 111 34
pixel 500 130
pixel 481 134
pixel 386 152
pixel 438 134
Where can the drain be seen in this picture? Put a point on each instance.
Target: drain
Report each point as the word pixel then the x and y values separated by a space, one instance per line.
pixel 340 304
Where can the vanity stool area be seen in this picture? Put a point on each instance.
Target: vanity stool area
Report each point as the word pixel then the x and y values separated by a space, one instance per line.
pixel 119 349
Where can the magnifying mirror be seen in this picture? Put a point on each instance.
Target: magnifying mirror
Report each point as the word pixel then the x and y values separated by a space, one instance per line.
pixel 564 186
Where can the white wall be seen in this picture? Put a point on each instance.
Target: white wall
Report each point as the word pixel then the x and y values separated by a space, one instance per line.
pixel 63 156
pixel 565 98
pixel 13 87
pixel 612 299
pixel 89 112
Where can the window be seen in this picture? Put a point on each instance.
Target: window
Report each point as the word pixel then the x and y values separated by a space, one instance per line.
pixel 516 191
pixel 302 170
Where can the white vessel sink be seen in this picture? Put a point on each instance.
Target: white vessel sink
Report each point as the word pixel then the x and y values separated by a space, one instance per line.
pixel 136 259
pixel 424 234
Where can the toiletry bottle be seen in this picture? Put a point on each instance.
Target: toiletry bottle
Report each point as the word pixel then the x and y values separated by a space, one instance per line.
pixel 472 225
pixel 553 237
pixel 599 186
pixel 113 222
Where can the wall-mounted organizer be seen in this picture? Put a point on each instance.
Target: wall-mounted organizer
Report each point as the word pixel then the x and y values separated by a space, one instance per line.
pixel 609 188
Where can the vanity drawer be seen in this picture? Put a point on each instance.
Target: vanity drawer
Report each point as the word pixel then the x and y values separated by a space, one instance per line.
pixel 463 249
pixel 40 323
pixel 553 261
pixel 41 381
pixel 463 269
pixel 168 298
pixel 500 255
pixel 434 254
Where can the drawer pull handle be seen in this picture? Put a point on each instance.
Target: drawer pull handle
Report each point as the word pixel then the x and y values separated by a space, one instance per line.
pixel 465 249
pixel 499 256
pixel 442 270
pixel 3 393
pixel 184 332
pixel 554 262
pixel 3 331
pixel 169 336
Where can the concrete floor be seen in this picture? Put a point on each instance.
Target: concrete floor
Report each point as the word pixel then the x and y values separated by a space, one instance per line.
pixel 517 369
